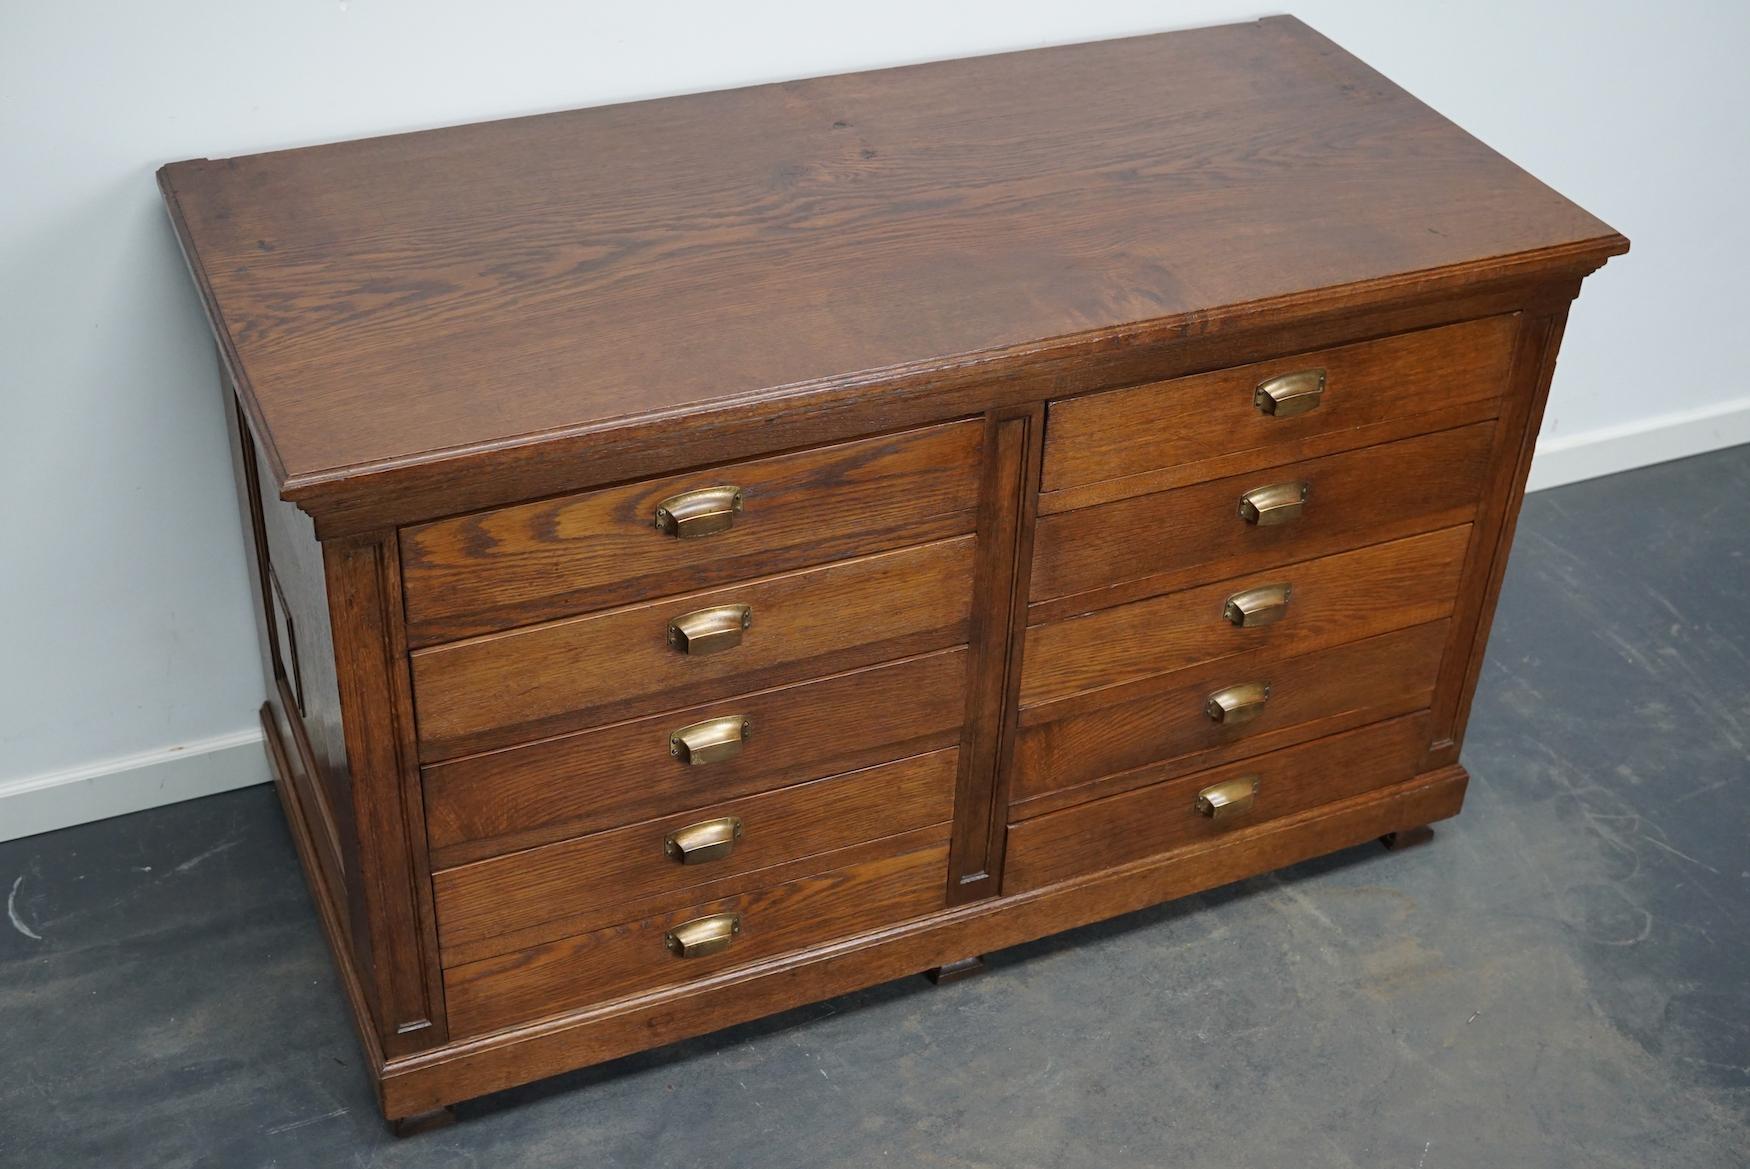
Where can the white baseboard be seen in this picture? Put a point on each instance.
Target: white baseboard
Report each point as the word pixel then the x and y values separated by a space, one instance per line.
pixel 133 783
pixel 1659 439
pixel 130 783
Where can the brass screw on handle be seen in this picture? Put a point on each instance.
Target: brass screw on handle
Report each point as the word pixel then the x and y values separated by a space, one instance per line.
pixel 704 512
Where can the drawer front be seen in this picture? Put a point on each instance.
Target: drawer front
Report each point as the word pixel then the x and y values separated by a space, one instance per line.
pixel 501 801
pixel 556 557
pixel 589 877
pixel 510 687
pixel 1275 515
pixel 1331 600
pixel 1064 746
pixel 1131 431
pixel 1165 816
pixel 635 956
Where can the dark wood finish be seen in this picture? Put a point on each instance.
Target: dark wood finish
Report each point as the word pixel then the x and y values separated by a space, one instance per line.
pixel 518 565
pixel 562 881
pixel 1407 837
pixel 930 320
pixel 534 794
pixel 362 582
pixel 630 957
pixel 1082 739
pixel 1487 562
pixel 509 687
pixel 420 1122
pixel 634 1024
pixel 999 613
pixel 1097 556
pixel 955 971
pixel 1096 438
pixel 1335 599
pixel 693 251
pixel 1159 818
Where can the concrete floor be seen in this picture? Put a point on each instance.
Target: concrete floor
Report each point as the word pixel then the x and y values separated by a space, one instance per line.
pixel 1561 979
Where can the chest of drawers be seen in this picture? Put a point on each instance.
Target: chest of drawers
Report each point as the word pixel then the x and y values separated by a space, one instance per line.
pixel 717 553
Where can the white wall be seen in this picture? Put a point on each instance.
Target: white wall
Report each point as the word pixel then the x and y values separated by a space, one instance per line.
pixel 127 672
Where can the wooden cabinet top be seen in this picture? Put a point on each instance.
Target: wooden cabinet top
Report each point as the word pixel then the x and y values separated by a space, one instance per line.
pixel 396 309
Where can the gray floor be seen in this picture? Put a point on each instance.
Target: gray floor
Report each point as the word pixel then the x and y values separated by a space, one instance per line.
pixel 1561 979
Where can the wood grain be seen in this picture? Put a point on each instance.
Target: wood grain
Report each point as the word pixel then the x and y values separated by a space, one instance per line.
pixel 506 688
pixel 607 964
pixel 1153 543
pixel 523 796
pixel 471 574
pixel 638 1022
pixel 389 301
pixel 1069 744
pixel 999 612
pixel 1335 599
pixel 1162 817
pixel 499 896
pixel 1095 437
pixel 475 358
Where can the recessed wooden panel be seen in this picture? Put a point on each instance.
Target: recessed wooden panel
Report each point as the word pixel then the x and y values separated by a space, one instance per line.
pixel 1196 534
pixel 1098 437
pixel 518 565
pixel 482 805
pixel 1164 816
pixel 1072 743
pixel 598 967
pixel 509 893
pixel 1333 600
pixel 509 687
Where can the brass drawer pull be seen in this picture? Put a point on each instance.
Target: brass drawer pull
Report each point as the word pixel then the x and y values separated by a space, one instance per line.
pixel 1237 704
pixel 711 741
pixel 1228 799
pixel 710 631
pixel 1276 504
pixel 703 936
pixel 708 840
pixel 1264 605
pixel 1289 394
pixel 704 512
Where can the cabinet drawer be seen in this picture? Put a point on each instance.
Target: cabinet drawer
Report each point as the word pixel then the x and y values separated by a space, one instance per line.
pixel 1205 532
pixel 556 557
pixel 633 956
pixel 1165 816
pixel 510 687
pixel 487 804
pixel 1065 746
pixel 1131 431
pixel 1331 600
pixel 586 879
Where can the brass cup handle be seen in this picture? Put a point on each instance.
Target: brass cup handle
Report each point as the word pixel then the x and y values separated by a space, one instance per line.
pixel 711 741
pixel 1264 605
pixel 1289 394
pixel 1276 504
pixel 704 512
pixel 708 840
pixel 703 936
pixel 1229 799
pixel 1237 704
pixel 709 631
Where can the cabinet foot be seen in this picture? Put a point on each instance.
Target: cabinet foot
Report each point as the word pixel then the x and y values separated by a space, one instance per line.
pixel 1407 838
pixel 955 971
pixel 419 1122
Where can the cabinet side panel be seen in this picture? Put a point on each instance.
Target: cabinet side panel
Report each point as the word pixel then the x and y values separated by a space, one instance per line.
pixel 1533 368
pixel 297 656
